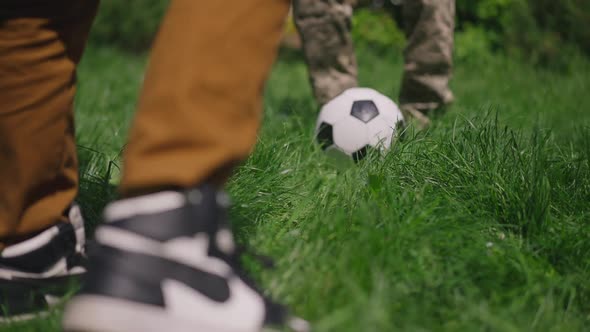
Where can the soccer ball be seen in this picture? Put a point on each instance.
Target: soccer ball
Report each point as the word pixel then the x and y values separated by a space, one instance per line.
pixel 356 120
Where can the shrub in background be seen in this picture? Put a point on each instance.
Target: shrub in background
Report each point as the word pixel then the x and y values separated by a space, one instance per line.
pixel 128 24
pixel 472 45
pixel 544 32
pixel 569 19
pixel 377 30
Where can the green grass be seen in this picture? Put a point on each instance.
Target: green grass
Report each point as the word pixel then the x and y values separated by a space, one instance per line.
pixel 481 223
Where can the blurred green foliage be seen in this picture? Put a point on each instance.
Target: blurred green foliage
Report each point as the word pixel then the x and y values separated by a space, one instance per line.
pixel 129 24
pixel 377 30
pixel 541 31
pixel 472 44
pixel 569 18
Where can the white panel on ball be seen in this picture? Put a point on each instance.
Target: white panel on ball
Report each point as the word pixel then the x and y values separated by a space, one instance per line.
pixel 357 118
pixel 380 133
pixel 350 135
pixel 335 110
pixel 364 93
pixel 388 108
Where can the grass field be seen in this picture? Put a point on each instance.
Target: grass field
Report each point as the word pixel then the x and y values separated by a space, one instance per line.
pixel 481 223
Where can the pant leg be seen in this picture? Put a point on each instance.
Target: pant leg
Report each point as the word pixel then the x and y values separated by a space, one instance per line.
pixel 40 45
pixel 200 106
pixel 429 26
pixel 325 29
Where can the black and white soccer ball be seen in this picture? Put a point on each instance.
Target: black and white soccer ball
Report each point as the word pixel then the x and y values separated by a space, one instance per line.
pixel 357 120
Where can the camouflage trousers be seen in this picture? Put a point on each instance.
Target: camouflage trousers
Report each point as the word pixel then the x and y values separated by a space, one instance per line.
pixel 325 26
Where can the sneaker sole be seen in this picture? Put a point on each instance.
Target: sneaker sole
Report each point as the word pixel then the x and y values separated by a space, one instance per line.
pixel 24 317
pixel 93 313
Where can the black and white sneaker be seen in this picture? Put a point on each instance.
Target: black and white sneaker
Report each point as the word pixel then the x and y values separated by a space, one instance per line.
pixel 168 262
pixel 37 273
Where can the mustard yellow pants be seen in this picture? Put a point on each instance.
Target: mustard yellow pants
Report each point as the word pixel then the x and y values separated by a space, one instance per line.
pixel 198 112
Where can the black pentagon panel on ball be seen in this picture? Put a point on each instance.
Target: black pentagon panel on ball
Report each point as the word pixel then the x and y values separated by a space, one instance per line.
pixel 364 110
pixel 325 137
pixel 361 154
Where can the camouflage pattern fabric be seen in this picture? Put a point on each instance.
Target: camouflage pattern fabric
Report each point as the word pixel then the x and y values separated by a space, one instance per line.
pixel 428 57
pixel 325 27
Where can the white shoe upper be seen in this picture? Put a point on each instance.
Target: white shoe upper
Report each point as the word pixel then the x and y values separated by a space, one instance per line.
pixel 47 254
pixel 181 258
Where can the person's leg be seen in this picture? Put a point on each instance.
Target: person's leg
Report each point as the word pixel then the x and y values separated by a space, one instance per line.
pixel 40 45
pixel 200 107
pixel 165 257
pixel 325 29
pixel 429 26
pixel 41 232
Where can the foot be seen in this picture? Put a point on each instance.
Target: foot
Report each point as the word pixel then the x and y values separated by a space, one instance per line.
pixel 37 273
pixel 415 117
pixel 421 115
pixel 168 262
